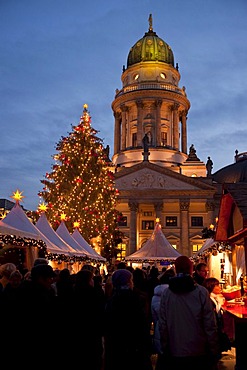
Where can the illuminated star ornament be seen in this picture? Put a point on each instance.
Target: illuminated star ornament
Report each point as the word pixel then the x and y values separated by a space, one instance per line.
pixel 17 196
pixel 76 224
pixel 63 216
pixel 42 207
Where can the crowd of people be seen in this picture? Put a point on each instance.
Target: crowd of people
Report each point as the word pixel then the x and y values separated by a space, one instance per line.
pixel 113 322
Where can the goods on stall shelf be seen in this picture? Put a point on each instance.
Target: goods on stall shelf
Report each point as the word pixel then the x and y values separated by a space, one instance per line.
pixel 231 292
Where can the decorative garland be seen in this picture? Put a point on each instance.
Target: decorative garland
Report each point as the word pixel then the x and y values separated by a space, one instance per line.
pixel 18 242
pixel 216 248
pixel 22 242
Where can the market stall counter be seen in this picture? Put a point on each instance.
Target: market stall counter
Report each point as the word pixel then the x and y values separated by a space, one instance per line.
pixel 237 310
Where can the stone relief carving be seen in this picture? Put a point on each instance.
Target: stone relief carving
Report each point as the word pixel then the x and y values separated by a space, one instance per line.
pixel 148 180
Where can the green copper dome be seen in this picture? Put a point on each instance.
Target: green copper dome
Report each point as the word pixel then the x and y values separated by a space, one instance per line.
pixel 150 48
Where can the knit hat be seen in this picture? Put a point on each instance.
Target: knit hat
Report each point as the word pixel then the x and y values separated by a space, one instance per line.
pixel 121 278
pixel 183 265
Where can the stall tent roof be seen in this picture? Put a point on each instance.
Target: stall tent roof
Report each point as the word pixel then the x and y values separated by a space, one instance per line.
pixel 80 240
pixel 17 218
pixel 206 245
pixel 9 230
pixel 156 248
pixel 63 232
pixel 45 227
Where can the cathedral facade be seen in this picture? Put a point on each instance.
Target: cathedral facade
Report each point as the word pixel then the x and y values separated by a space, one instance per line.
pixel 156 174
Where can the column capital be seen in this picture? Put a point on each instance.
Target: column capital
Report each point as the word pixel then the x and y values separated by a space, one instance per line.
pixel 175 107
pixel 117 115
pixel 158 103
pixel 139 104
pixel 124 108
pixel 184 205
pixel 133 206
pixel 209 205
pixel 184 113
pixel 158 206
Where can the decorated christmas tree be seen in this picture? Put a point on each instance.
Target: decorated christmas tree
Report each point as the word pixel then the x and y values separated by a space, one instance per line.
pixel 81 186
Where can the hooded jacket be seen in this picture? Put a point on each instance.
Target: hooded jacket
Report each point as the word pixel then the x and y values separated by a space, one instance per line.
pixel 155 310
pixel 187 322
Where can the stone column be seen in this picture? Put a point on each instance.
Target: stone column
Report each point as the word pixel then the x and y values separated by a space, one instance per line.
pixel 124 110
pixel 158 210
pixel 175 127
pixel 184 133
pixel 184 234
pixel 133 206
pixel 140 133
pixel 158 104
pixel 117 132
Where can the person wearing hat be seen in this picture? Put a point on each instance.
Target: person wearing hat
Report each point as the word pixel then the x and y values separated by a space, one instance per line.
pixel 187 324
pixel 127 337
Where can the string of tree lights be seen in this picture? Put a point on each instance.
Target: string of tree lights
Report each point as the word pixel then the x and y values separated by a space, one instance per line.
pixel 81 186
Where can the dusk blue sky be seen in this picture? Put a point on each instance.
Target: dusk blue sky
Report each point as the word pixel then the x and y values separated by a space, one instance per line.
pixel 56 55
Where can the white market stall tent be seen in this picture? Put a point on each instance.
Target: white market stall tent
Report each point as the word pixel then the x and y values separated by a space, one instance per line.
pixel 157 248
pixel 45 227
pixel 206 245
pixel 9 230
pixel 80 240
pixel 64 233
pixel 18 219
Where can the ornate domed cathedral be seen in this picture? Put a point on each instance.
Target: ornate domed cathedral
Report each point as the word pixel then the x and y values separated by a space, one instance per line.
pixel 156 174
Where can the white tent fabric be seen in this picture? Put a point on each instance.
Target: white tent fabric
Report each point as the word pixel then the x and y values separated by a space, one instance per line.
pixel 80 240
pixel 9 230
pixel 17 218
pixel 63 232
pixel 45 227
pixel 240 262
pixel 156 248
pixel 207 244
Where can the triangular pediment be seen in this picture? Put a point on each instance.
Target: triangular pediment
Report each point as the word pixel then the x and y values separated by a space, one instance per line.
pixel 150 176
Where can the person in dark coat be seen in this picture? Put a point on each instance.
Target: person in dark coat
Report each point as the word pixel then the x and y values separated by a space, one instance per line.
pixel 31 321
pixel 64 286
pixel 200 273
pixel 141 288
pixel 86 333
pixel 128 342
